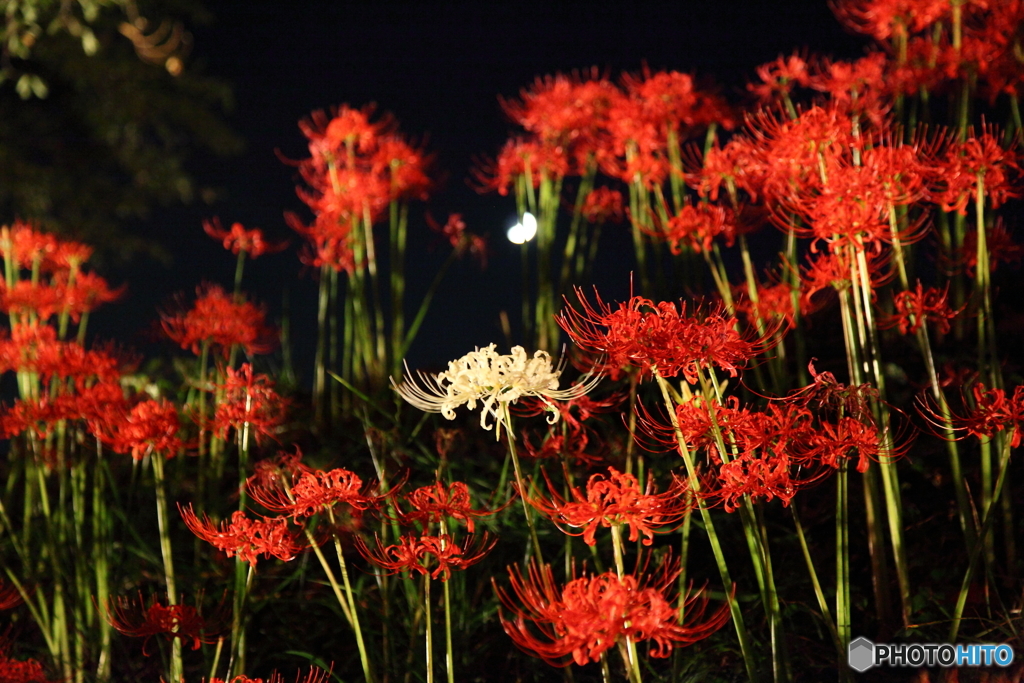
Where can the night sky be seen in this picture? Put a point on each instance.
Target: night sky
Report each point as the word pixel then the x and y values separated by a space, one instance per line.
pixel 439 68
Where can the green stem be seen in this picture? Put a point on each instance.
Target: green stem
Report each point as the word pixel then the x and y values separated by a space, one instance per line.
pixel 709 527
pixel 363 657
pixel 163 523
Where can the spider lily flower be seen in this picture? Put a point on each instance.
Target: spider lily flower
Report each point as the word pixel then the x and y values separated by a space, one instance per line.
pixel 314 676
pixel 238 239
pixel 662 336
pixel 615 499
pixel 244 537
pixel 495 381
pixel 916 306
pixel 248 399
pixel 589 615
pixel 134 619
pixel 434 555
pixel 994 410
pixel 150 426
pixel 439 501
pixel 217 318
pixel 14 671
pixel 311 491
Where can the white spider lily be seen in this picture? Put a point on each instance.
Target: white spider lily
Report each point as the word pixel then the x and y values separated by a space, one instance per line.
pixel 493 379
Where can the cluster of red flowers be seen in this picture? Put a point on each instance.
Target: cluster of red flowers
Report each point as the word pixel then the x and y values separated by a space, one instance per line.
pixel 133 618
pixel 216 318
pixel 59 286
pixel 993 411
pixel 246 538
pixel 433 555
pixel 930 53
pixel 314 676
pixel 661 336
pixel 578 123
pixel 248 401
pixel 589 615
pixel 792 443
pixel 571 437
pixel 238 239
pixel 612 500
pixel 920 305
pixel 17 671
pixel 356 168
pixel 427 553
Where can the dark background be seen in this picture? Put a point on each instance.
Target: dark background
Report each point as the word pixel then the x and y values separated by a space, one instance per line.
pixel 439 68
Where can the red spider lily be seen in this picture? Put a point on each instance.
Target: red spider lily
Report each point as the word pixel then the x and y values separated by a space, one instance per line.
pixel 568 112
pixel 346 129
pixel 851 208
pixel 218 319
pixel 38 299
pixel 993 412
pixel 245 538
pixel 603 204
pixel 356 169
pixel 99 405
pixel 132 618
pixel 753 476
pixel 833 271
pixel 517 159
pixel 418 554
pixel 40 416
pixel 439 501
pixel 26 246
pixel 832 398
pixel 67 361
pixel 978 163
pixel 858 87
pixel 570 447
pixel 696 225
pixel 238 239
pixel 799 154
pixel 313 492
pixel 884 19
pixel 570 438
pixel 149 427
pixel 670 99
pixel 314 676
pixel 651 335
pixel 612 500
pixel 773 301
pixel 68 256
pixel 87 293
pixel 402 166
pixel 739 165
pixel 589 615
pixel 248 399
pixel 778 78
pixel 1002 248
pixel 919 305
pixel 462 241
pixel 14 671
pixel 277 472
pixel 46 299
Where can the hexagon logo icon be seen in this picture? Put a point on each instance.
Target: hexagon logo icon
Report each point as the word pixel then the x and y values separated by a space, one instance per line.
pixel 861 654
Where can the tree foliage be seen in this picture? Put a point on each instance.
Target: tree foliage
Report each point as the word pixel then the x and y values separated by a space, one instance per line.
pixel 102 117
